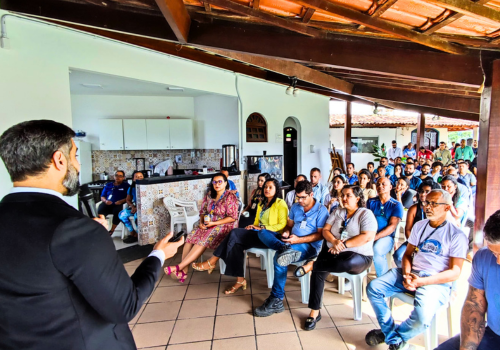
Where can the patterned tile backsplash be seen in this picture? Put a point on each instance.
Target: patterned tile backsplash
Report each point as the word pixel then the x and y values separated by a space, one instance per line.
pixel 111 161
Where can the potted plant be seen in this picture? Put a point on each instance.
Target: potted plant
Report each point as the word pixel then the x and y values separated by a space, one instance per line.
pixel 379 152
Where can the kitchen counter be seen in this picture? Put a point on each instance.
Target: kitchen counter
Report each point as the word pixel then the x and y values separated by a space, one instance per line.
pixel 175 178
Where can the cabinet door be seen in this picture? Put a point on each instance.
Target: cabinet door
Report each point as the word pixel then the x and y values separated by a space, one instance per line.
pixel 134 134
pixel 181 134
pixel 110 134
pixel 158 133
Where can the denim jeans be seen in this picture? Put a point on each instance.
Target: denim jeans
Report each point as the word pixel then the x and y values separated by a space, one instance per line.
pixel 398 255
pixel 490 341
pixel 428 300
pixel 124 216
pixel 380 249
pixel 308 251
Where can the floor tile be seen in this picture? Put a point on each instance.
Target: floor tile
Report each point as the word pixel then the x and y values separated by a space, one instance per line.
pixel 288 341
pixel 152 334
pixel 192 330
pixel 342 315
pixel 136 317
pixel 276 323
pixel 203 277
pixel 231 326
pixel 204 345
pixel 155 348
pixel 294 299
pixel 318 339
pixel 198 308
pixel 292 284
pixel 300 315
pixel 235 305
pixel 332 297
pixel 243 343
pixel 168 281
pixel 354 337
pixel 260 286
pixel 256 273
pixel 202 291
pixel 165 294
pixel 160 312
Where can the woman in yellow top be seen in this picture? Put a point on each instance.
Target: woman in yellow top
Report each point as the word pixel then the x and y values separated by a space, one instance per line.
pixel 272 215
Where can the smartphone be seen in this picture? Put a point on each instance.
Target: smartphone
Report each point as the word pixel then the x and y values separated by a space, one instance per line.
pixel 176 236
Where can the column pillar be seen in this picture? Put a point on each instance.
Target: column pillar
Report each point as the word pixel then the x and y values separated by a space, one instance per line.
pixel 420 132
pixel 347 134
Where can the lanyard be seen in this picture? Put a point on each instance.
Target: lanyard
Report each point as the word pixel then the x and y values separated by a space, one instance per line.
pixel 430 234
pixel 214 204
pixel 346 220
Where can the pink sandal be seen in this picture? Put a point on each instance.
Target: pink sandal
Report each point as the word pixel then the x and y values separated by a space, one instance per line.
pixel 183 277
pixel 169 271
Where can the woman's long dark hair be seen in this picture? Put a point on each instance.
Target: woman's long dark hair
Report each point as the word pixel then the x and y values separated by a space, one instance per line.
pixel 401 167
pixel 133 181
pixel 456 196
pixel 276 195
pixel 333 192
pixel 340 170
pixel 369 175
pixel 266 177
pixel 213 192
pixel 358 192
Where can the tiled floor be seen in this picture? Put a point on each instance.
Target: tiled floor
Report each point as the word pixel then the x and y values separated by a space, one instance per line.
pixel 197 315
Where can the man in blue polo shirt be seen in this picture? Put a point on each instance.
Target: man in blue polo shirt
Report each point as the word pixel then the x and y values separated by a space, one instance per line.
pixel 113 195
pixel 388 213
pixel 389 168
pixel 351 177
pixel 320 191
pixel 301 240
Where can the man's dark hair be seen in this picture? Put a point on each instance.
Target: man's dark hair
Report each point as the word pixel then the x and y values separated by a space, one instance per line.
pixel 381 166
pixel 398 157
pixel 394 141
pixel 410 163
pixel 383 158
pixel 304 186
pixel 492 228
pixel 353 166
pixel 27 148
pixel 426 165
pixel 371 163
pixel 305 177
pixel 428 182
pixel 436 164
pixel 315 169
pixel 121 171
pixel 442 143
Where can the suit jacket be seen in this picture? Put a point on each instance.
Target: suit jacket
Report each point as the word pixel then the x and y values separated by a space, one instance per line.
pixel 62 284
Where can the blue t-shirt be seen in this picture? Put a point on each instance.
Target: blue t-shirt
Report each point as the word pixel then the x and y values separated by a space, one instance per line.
pixel 485 275
pixel 415 182
pixel 384 212
pixel 410 153
pixel 117 193
pixel 316 218
pixel 320 192
pixel 232 187
pixel 394 180
pixel 389 170
pixel 131 192
pixel 353 179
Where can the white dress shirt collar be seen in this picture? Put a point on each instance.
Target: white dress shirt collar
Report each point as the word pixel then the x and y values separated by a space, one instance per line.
pixel 36 190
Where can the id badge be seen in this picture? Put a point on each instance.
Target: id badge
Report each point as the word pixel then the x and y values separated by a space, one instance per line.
pixel 254 205
pixel 303 224
pixel 343 235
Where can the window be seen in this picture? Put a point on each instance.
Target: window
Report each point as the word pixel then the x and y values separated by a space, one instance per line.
pixel 256 128
pixel 431 138
pixel 364 144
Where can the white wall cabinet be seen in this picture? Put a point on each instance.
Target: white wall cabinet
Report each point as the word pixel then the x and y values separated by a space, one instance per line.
pixel 134 134
pixel 158 131
pixel 181 134
pixel 110 134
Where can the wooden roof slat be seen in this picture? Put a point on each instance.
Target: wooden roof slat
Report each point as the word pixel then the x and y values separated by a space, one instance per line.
pixel 256 4
pixel 307 16
pixel 268 18
pixel 469 8
pixel 177 17
pixel 380 9
pixel 385 26
pixel 207 6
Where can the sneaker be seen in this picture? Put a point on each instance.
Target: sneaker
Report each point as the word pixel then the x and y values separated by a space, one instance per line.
pixel 271 306
pixel 287 255
pixel 401 346
pixel 375 337
pixel 130 239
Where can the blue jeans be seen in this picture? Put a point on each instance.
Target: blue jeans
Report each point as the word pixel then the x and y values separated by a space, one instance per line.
pixel 380 249
pixel 269 238
pixel 398 255
pixel 490 341
pixel 428 300
pixel 125 215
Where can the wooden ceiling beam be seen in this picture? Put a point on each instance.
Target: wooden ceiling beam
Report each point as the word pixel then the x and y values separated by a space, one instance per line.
pixel 452 103
pixel 268 18
pixel 177 17
pixel 207 6
pixel 380 9
pixel 385 26
pixel 256 4
pixel 307 16
pixel 469 8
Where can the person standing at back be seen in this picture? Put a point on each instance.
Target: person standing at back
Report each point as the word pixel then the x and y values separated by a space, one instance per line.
pixel 464 152
pixel 62 283
pixel 394 152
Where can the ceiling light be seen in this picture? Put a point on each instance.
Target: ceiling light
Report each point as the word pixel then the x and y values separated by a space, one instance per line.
pixel 170 88
pixel 375 110
pixel 289 90
pixel 92 86
pixel 292 90
pixel 295 92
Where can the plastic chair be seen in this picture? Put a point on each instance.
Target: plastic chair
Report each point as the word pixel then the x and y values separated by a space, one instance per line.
pixel 181 212
pixel 305 283
pixel 357 289
pixel 120 226
pixel 430 335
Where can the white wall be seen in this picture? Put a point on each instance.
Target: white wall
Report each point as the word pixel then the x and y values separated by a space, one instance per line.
pixel 216 121
pixel 88 109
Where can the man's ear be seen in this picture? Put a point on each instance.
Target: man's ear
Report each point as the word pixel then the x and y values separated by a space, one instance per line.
pixel 59 160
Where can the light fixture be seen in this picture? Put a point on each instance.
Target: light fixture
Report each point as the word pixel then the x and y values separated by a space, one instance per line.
pixel 171 88
pixel 295 92
pixel 292 89
pixel 289 90
pixel 375 110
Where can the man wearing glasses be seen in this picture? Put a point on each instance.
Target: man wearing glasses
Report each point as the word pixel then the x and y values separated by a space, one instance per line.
pixel 432 261
pixel 113 195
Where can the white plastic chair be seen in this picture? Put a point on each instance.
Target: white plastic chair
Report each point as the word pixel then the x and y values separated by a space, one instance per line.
pixel 266 263
pixel 430 334
pixel 181 212
pixel 109 218
pixel 305 283
pixel 357 288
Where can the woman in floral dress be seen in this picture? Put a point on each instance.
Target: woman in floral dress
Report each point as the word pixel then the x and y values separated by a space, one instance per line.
pixel 218 216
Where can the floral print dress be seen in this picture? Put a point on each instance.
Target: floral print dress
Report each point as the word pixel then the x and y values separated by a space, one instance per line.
pixel 227 206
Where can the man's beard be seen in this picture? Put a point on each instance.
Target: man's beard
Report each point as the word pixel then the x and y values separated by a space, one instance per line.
pixel 71 181
pixel 407 173
pixel 425 172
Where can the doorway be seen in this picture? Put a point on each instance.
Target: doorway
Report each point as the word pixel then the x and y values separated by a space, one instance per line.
pixel 291 150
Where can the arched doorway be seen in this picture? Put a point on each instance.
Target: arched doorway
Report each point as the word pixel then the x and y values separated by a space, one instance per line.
pixel 291 149
pixel 431 138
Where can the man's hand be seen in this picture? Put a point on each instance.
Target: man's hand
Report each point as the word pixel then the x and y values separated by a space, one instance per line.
pixel 133 210
pixel 169 248
pixel 102 220
pixel 285 234
pixel 337 246
pixel 291 239
pixel 108 202
pixel 411 282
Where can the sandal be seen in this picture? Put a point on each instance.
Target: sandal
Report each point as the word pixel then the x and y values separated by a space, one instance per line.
pixel 199 267
pixel 233 289
pixel 183 277
pixel 169 271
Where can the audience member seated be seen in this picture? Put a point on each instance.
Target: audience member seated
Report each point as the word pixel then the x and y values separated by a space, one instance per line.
pixel 425 172
pixel 409 173
pixel 365 182
pixel 425 153
pixel 113 195
pixel 232 186
pixel 290 198
pixel 333 199
pixel 409 151
pixel 482 299
pixel 432 261
pixel 442 154
pixel 254 201
pixel 398 160
pixel 460 199
pixel 218 216
pixel 388 213
pixel 453 171
pixel 415 214
pixel 389 168
pixel 467 176
pixel 464 152
pixel 126 213
pixel 352 178
pixel 381 172
pixel 398 172
pixel 436 171
pixel 320 190
pixel 338 171
pixel 371 168
pixel 402 192
pixel 347 247
pixel 272 215
pixel 421 161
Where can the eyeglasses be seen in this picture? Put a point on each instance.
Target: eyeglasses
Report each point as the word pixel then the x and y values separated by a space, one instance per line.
pixel 301 197
pixel 118 175
pixel 432 204
pixel 217 182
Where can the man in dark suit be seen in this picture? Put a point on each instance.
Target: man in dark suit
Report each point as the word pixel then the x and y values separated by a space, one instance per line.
pixel 62 284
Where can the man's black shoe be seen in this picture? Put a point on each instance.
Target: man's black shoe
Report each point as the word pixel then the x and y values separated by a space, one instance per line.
pixel 130 239
pixel 311 322
pixel 287 255
pixel 271 306
pixel 375 337
pixel 401 346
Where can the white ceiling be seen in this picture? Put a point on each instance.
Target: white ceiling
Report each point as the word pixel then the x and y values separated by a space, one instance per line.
pixel 121 86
